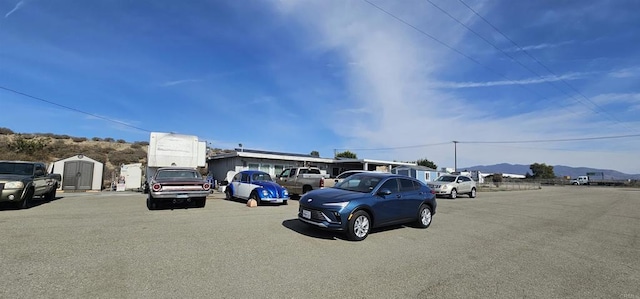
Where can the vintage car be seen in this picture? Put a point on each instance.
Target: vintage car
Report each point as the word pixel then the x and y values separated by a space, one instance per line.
pixel 177 185
pixel 368 200
pixel 257 185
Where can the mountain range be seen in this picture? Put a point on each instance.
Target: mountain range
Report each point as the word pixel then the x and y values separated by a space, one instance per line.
pixel 559 170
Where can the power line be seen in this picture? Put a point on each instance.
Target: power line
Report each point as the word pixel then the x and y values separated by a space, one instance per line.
pixel 73 109
pixel 533 58
pixel 497 142
pixel 392 148
pixel 556 140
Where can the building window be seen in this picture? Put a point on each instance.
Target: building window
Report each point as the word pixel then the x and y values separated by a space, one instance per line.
pixel 253 166
pixel 426 176
pixel 265 167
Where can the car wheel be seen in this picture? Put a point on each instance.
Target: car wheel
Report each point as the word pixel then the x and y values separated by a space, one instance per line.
pixel 454 193
pixel 306 189
pixel 201 202
pixel 227 194
pixel 424 216
pixel 285 202
pixel 26 202
pixel 359 226
pixel 51 195
pixel 255 197
pixel 472 194
pixel 152 204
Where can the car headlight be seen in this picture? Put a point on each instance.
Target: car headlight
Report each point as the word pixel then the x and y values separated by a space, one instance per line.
pixel 14 185
pixel 285 193
pixel 265 193
pixel 445 187
pixel 337 204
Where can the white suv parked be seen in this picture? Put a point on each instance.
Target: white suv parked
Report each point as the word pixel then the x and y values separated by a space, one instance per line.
pixel 451 185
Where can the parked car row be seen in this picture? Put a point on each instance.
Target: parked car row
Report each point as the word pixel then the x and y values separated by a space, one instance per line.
pixel 358 202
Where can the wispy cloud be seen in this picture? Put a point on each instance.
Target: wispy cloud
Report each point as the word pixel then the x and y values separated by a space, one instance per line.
pixel 540 46
pixel 18 5
pixel 572 76
pixel 626 73
pixel 178 82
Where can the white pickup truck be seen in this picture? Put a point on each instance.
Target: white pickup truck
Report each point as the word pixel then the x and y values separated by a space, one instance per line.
pixel 300 180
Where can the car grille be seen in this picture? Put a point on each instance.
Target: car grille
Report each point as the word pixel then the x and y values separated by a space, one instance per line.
pixel 319 216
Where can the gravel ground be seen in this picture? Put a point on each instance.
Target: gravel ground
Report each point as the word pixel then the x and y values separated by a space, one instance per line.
pixel 556 242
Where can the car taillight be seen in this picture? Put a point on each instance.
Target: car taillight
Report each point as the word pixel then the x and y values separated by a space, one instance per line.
pixel 206 186
pixel 433 191
pixel 156 187
pixel 321 182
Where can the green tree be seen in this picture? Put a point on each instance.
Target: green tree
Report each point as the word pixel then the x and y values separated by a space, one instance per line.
pixel 315 154
pixel 347 154
pixel 427 163
pixel 542 171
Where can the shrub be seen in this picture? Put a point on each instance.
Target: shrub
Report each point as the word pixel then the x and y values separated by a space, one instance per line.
pixel 6 131
pixel 121 141
pixel 109 139
pixel 96 139
pixel 79 139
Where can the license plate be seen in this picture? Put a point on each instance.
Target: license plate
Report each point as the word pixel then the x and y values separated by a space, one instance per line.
pixel 278 201
pixel 306 214
pixel 182 196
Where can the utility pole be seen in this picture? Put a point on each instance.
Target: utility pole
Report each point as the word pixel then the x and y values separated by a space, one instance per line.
pixel 455 156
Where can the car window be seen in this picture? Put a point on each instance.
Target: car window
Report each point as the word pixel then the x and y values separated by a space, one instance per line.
pixel 406 185
pixel 391 184
pixel 446 178
pixel 347 174
pixel 465 179
pixel 236 178
pixel 261 176
pixel 177 174
pixel 245 178
pixel 286 173
pixel 359 183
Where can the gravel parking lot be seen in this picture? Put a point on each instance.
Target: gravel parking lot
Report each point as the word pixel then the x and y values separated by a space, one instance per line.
pixel 557 242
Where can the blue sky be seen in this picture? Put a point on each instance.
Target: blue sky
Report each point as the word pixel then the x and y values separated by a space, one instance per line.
pixel 389 80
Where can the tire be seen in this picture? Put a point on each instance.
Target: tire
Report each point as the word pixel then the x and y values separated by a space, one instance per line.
pixel 227 194
pixel 26 202
pixel 152 204
pixel 285 202
pixel 255 197
pixel 306 189
pixel 359 226
pixel 51 195
pixel 472 194
pixel 424 216
pixel 454 193
pixel 201 202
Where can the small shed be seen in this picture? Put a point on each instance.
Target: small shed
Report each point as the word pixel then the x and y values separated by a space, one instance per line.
pixel 421 173
pixel 79 173
pixel 132 175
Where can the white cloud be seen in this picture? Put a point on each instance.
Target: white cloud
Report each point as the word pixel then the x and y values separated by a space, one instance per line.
pixel 18 5
pixel 626 73
pixel 538 80
pixel 540 46
pixel 395 77
pixel 178 82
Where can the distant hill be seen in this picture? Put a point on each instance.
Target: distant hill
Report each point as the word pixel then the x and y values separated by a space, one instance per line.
pixel 559 170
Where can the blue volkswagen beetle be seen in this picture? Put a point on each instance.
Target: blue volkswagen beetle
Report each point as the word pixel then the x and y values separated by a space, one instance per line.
pixel 368 200
pixel 257 185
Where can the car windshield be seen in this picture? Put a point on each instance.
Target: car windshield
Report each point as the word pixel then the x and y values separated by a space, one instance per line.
pixel 346 174
pixel 446 178
pixel 16 168
pixel 261 176
pixel 177 174
pixel 359 183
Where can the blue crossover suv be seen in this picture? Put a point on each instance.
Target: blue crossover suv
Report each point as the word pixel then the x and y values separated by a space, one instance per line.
pixel 368 200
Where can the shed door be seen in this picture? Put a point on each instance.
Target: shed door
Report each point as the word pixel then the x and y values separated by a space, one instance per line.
pixel 78 175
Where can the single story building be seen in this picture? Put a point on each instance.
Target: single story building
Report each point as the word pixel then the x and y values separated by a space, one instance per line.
pixel 421 173
pixel 274 162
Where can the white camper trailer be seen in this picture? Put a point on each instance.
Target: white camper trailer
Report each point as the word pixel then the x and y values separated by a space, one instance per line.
pixel 168 149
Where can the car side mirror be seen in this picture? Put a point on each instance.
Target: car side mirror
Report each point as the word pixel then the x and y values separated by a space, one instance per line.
pixel 384 192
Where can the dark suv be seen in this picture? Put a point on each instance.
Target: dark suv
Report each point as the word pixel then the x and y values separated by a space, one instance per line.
pixel 368 200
